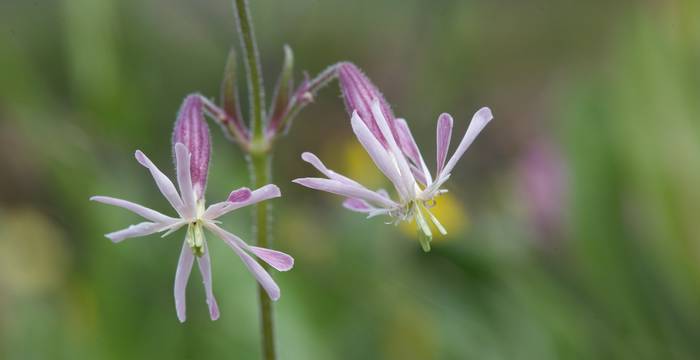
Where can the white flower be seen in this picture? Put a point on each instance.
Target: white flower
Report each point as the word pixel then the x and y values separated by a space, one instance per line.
pixel 191 211
pixel 397 156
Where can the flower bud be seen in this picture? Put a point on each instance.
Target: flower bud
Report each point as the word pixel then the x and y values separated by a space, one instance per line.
pixel 191 130
pixel 359 93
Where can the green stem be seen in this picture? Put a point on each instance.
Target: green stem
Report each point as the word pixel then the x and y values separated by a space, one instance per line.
pixel 262 175
pixel 251 59
pixel 260 161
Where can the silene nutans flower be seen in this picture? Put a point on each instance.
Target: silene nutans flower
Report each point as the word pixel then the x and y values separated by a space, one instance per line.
pixel 192 149
pixel 390 144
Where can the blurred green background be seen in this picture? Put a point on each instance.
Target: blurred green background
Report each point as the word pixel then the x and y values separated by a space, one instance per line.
pixel 574 219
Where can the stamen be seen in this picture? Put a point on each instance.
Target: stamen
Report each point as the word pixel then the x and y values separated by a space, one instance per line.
pixel 195 238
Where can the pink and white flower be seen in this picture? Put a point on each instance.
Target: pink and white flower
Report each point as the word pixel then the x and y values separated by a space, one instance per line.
pixel 391 146
pixel 191 149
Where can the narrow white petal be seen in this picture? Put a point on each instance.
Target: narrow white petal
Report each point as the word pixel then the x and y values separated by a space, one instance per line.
pixel 430 192
pixel 357 205
pixel 182 275
pixel 353 191
pixel 140 229
pixel 164 184
pixel 266 192
pixel 444 134
pixel 147 213
pixel 410 148
pixel 316 162
pixel 184 179
pixel 204 263
pixel 376 151
pixel 404 170
pixel 479 121
pixel 263 278
pixel 277 259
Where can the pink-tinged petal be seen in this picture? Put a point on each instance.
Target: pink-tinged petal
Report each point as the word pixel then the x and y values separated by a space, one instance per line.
pixel 191 130
pixel 240 195
pixel 184 179
pixel 351 191
pixel 140 229
pixel 266 192
pixel 262 277
pixel 137 209
pixel 276 259
pixel 316 162
pixel 204 263
pixel 376 151
pixel 479 121
pixel 358 94
pixel 164 184
pixel 419 175
pixel 182 275
pixel 406 177
pixel 357 205
pixel 409 147
pixel 444 133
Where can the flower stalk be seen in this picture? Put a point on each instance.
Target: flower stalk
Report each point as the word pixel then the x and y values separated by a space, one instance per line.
pixel 251 59
pixel 261 173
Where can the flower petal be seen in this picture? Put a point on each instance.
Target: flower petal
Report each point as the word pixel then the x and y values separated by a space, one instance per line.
pixel 263 278
pixel 266 192
pixel 164 184
pixel 479 121
pixel 240 195
pixel 316 162
pixel 184 179
pixel 140 229
pixel 182 275
pixel 419 175
pixel 357 205
pixel 410 148
pixel 137 209
pixel 406 176
pixel 339 188
pixel 276 259
pixel 376 151
pixel 444 133
pixel 204 263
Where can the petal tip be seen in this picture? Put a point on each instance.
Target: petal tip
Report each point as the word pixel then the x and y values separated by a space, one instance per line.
pixel 485 113
pixel 112 238
pixel 141 158
pixel 214 312
pixel 446 117
pixel 275 190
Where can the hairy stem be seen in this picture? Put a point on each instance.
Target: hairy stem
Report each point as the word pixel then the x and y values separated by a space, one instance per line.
pixel 251 59
pixel 262 175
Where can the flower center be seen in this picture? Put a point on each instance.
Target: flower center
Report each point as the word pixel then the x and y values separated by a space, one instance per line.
pixel 195 237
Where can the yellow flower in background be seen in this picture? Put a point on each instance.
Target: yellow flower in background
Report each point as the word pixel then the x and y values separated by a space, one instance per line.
pixel 452 216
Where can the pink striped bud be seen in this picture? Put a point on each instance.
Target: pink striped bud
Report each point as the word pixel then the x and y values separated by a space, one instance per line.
pixel 191 130
pixel 358 94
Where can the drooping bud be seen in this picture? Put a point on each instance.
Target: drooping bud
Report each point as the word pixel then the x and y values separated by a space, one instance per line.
pixel 359 93
pixel 191 130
